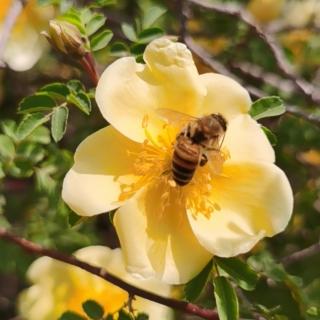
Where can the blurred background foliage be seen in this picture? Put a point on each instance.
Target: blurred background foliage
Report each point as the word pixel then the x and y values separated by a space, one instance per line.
pixel 33 164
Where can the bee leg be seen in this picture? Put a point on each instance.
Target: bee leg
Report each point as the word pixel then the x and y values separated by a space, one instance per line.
pixel 203 160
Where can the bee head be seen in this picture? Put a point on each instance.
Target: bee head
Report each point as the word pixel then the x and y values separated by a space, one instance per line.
pixel 221 120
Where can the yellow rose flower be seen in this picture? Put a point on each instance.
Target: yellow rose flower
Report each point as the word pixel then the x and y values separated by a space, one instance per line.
pixel 165 230
pixel 58 287
pixel 25 45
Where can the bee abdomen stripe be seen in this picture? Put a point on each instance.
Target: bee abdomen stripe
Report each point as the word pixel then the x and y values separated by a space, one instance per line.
pixel 182 173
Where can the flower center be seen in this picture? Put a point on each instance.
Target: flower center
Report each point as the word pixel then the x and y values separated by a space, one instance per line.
pixel 153 164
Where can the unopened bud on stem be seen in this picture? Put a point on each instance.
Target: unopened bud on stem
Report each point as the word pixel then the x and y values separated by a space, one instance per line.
pixel 66 38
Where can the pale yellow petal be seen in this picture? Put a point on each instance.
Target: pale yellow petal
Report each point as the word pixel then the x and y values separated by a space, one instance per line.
pixel 245 140
pixel 224 96
pixel 128 91
pixel 102 163
pixel 157 241
pixel 112 261
pixel 255 200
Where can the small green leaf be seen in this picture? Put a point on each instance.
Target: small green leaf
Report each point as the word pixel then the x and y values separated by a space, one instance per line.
pixel 7 148
pixel 102 3
pixel 95 23
pixel 195 286
pixel 2 175
pixel 123 315
pixel 226 299
pixel 267 107
pixel 270 135
pixel 129 31
pixel 93 309
pixel 73 16
pixel 75 86
pixel 37 102
pixel 82 101
pixel 9 127
pixel 152 15
pixel 244 276
pixel 137 49
pixel 70 315
pixel 56 89
pixel 29 123
pixel 142 316
pixel 59 121
pixel 40 135
pixel 119 49
pixel 150 34
pixel 101 40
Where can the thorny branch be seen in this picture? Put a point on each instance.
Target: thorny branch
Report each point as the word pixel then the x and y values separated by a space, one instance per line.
pixel 234 11
pixel 301 255
pixel 180 305
pixel 12 16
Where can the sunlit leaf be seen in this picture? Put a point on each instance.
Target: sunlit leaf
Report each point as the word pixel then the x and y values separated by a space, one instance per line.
pixel 95 23
pixel 36 103
pixel 7 148
pixel 59 121
pixel 267 107
pixel 129 32
pixel 101 40
pixel 226 299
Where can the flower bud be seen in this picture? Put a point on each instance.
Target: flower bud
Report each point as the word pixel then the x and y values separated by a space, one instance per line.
pixel 66 38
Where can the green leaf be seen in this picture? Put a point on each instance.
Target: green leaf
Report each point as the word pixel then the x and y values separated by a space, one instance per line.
pixel 152 15
pixel 137 49
pixel 129 31
pixel 123 315
pixel 101 40
pixel 195 286
pixel 30 153
pixel 102 3
pixel 82 101
pixel 59 121
pixel 95 23
pixel 37 102
pixel 40 135
pixel 244 276
pixel 267 107
pixel 75 86
pixel 73 16
pixel 226 299
pixel 56 89
pixel 142 316
pixel 44 181
pixel 9 127
pixel 270 135
pixel 30 123
pixel 150 34
pixel 119 49
pixel 7 148
pixel 93 309
pixel 70 315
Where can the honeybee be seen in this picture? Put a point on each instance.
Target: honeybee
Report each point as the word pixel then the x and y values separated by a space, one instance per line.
pixel 196 139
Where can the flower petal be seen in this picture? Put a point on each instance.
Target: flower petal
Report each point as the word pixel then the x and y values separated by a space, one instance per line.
pixel 128 91
pixel 102 163
pixel 224 96
pixel 161 240
pixel 255 200
pixel 246 141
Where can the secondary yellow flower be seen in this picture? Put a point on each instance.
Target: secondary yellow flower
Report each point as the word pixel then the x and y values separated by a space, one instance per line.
pixel 165 230
pixel 25 45
pixel 58 287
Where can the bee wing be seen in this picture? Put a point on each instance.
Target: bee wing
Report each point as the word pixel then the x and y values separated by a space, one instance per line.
pixel 173 117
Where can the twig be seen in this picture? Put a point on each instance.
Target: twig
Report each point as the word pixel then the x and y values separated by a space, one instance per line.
pixel 12 16
pixel 183 306
pixel 234 11
pixel 253 91
pixel 301 255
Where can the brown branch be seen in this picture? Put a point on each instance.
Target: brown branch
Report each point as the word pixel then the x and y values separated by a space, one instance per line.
pixel 301 255
pixel 235 11
pixel 36 249
pixel 253 91
pixel 11 18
